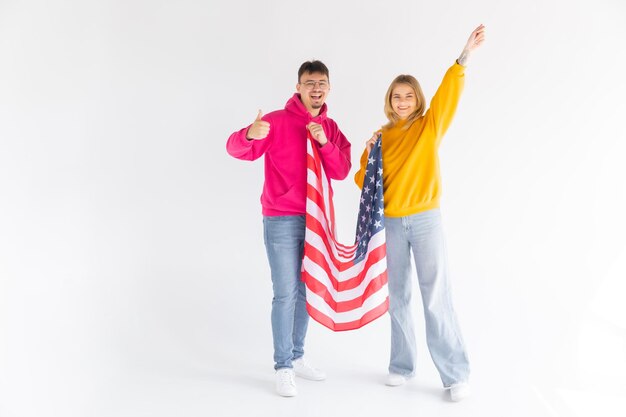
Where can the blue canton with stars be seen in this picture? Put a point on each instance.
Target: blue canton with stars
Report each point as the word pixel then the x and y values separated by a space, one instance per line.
pixel 371 210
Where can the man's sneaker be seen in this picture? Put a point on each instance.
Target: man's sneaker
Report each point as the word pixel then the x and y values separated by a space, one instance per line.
pixel 459 391
pixel 395 380
pixel 303 369
pixel 285 384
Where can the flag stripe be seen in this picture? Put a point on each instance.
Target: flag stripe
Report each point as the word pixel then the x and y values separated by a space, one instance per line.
pixel 357 314
pixel 351 325
pixel 353 298
pixel 317 230
pixel 316 251
pixel 317 213
pixel 348 287
pixel 318 199
pixel 317 177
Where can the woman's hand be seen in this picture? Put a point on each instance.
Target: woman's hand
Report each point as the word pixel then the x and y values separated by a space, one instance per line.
pixel 370 142
pixel 475 40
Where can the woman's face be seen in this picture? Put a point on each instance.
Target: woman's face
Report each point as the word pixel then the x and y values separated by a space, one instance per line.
pixel 403 100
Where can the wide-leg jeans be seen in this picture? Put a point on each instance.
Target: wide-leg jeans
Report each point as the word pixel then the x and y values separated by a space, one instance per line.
pixel 423 235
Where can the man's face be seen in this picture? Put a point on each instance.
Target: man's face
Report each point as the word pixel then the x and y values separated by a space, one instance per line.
pixel 313 88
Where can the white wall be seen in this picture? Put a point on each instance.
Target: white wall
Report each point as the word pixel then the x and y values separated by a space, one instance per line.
pixel 131 242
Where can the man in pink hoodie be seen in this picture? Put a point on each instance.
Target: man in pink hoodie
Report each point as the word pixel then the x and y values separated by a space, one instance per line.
pixel 281 137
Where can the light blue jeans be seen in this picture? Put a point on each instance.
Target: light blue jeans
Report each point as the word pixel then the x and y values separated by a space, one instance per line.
pixel 284 242
pixel 423 234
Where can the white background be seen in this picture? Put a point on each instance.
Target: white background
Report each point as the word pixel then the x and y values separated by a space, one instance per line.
pixel 133 277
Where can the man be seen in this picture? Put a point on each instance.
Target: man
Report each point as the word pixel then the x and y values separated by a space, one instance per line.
pixel 281 136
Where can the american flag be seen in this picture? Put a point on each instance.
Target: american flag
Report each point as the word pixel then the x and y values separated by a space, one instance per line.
pixel 346 285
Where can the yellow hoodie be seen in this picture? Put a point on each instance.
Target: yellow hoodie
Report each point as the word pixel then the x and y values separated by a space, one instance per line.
pixel 411 179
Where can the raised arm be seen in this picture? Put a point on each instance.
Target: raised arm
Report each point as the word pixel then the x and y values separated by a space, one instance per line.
pixel 477 37
pixel 444 103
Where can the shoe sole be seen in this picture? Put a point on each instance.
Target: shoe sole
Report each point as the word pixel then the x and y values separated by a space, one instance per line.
pixel 459 398
pixel 395 384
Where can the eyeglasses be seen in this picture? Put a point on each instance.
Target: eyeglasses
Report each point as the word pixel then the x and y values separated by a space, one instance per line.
pixel 310 85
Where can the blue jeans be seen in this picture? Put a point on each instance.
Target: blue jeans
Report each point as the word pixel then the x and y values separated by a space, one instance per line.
pixel 423 234
pixel 284 242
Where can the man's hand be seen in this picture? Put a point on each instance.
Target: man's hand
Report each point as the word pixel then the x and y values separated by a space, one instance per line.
pixel 259 129
pixel 318 133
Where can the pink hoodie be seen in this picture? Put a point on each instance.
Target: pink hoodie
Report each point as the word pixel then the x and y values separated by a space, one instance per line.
pixel 284 191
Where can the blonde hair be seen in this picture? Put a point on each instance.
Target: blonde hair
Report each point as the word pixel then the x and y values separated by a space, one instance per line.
pixel 419 96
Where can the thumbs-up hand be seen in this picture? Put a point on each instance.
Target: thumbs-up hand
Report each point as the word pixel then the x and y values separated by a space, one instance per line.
pixel 259 128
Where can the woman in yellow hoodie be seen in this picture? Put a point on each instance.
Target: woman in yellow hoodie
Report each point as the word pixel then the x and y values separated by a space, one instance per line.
pixel 412 188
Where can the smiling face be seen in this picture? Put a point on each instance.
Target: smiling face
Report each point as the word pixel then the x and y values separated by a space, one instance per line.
pixel 313 89
pixel 403 100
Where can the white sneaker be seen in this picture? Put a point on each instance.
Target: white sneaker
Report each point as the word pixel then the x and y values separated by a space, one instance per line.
pixel 285 384
pixel 395 380
pixel 459 391
pixel 303 369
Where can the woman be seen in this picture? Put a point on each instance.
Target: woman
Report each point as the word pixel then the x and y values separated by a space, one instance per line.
pixel 412 188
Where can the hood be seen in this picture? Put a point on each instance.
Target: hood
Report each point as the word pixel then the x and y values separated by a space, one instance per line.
pixel 294 105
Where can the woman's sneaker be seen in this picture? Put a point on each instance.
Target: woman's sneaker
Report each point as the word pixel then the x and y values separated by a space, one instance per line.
pixel 285 384
pixel 459 391
pixel 395 380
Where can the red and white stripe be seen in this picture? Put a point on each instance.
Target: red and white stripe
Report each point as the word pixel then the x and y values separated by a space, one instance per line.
pixel 341 294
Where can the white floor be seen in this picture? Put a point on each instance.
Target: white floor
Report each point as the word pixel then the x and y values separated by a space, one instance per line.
pixel 186 359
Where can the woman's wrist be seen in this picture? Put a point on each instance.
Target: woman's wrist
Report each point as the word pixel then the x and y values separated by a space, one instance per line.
pixel 463 58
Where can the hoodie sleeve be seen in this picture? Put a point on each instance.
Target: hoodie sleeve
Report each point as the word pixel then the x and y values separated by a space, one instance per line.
pixel 444 103
pixel 241 148
pixel 336 154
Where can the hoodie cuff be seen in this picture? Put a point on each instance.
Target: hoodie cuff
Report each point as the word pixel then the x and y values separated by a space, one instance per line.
pixel 242 140
pixel 458 67
pixel 326 149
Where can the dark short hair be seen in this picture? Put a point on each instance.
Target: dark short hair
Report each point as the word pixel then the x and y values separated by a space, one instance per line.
pixel 311 67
